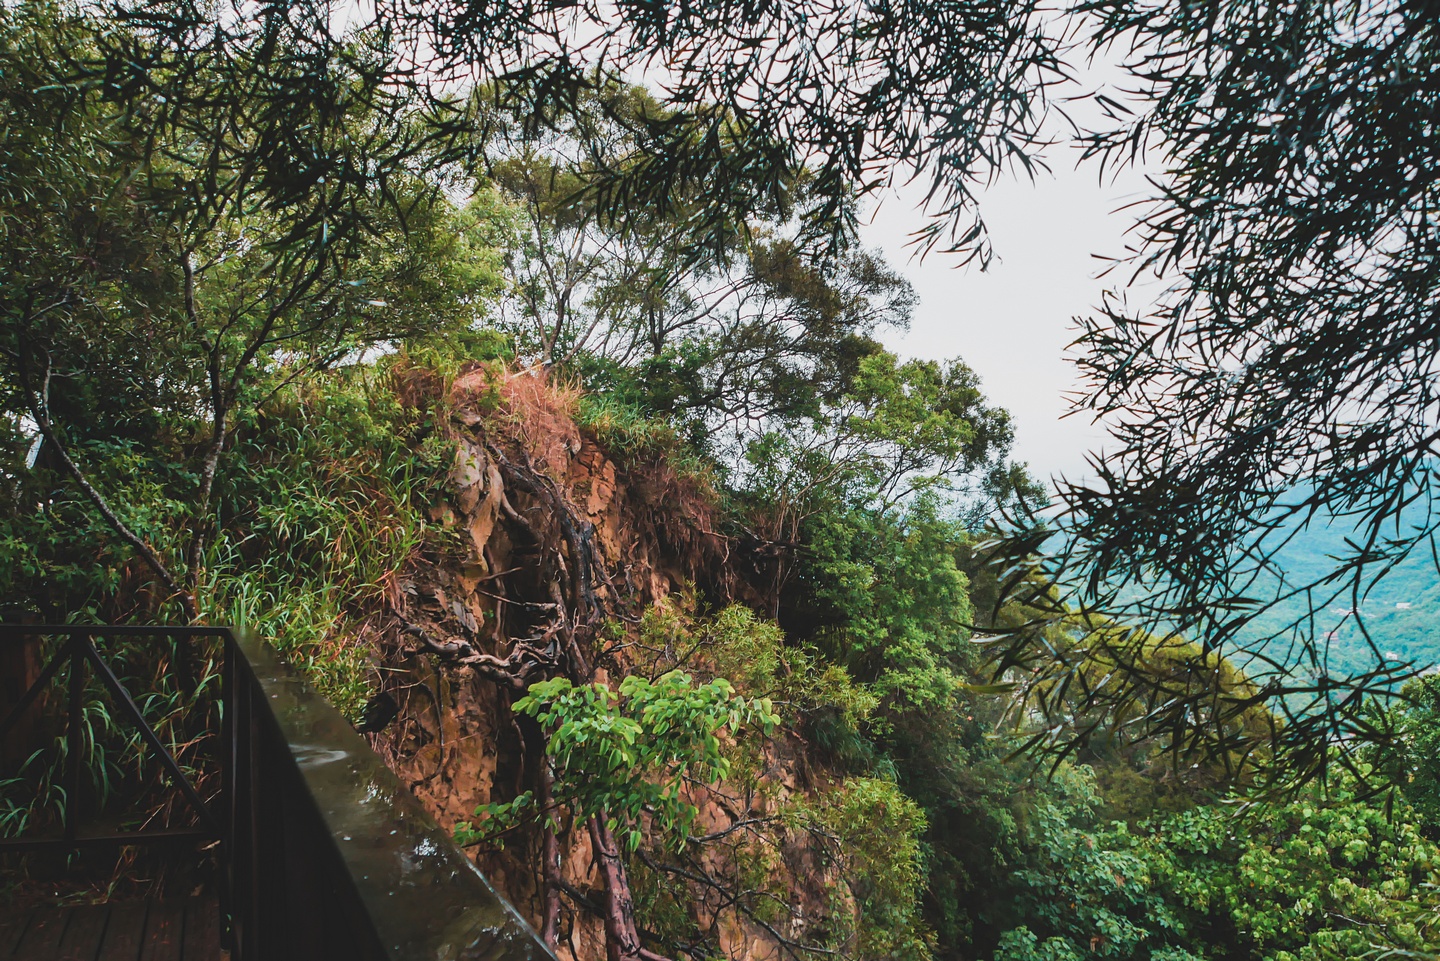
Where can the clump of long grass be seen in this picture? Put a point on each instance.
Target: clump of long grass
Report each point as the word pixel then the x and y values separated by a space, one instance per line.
pixel 632 436
pixel 329 506
pixel 122 785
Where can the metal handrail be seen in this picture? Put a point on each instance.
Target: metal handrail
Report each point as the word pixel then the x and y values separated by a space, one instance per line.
pixel 324 853
pixel 80 652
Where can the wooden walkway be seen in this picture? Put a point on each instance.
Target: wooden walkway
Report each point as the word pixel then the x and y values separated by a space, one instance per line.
pixel 187 930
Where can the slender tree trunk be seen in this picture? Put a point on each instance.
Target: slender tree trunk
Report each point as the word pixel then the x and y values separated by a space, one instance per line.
pixel 219 425
pixel 39 409
pixel 208 470
pixel 622 938
pixel 550 855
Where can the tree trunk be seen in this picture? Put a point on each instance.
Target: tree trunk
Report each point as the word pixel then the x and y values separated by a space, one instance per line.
pixel 550 856
pixel 40 412
pixel 19 667
pixel 621 936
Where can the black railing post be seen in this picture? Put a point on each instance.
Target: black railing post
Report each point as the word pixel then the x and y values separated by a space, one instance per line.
pixel 246 786
pixel 73 745
pixel 181 656
pixel 247 846
pixel 226 807
pixel 237 845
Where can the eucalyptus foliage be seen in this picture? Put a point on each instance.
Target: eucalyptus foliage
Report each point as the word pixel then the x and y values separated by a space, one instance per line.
pixel 1284 375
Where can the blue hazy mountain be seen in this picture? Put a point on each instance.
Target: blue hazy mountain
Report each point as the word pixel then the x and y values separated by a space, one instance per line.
pixel 1400 612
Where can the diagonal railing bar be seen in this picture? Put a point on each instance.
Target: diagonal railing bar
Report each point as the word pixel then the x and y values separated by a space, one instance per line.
pixel 79 651
pixel 167 760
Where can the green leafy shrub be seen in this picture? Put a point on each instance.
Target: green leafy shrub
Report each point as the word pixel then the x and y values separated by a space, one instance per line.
pixel 625 757
pixel 872 832
pixel 1309 879
pixel 1085 892
pixel 323 508
pixel 736 644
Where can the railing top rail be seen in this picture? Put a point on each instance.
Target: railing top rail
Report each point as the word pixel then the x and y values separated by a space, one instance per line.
pixel 424 896
pixel 13 631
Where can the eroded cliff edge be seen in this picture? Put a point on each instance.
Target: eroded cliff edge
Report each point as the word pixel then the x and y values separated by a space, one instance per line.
pixel 565 558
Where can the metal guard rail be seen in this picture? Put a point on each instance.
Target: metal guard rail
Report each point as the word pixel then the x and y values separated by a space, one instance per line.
pixel 324 853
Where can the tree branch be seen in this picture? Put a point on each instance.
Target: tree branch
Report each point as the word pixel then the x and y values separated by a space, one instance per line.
pixel 38 404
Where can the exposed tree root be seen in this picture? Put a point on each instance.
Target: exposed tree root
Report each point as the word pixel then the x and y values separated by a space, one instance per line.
pixel 568 567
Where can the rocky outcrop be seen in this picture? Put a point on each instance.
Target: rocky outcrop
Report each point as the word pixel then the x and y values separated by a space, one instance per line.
pixel 555 549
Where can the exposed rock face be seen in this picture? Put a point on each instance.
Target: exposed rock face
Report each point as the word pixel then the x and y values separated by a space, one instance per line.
pixel 553 538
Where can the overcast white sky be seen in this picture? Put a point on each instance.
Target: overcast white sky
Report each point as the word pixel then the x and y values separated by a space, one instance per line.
pixel 1012 323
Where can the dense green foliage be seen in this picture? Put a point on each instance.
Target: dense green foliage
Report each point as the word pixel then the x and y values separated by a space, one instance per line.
pixel 223 370
pixel 625 755
pixel 1284 371
pixel 1307 878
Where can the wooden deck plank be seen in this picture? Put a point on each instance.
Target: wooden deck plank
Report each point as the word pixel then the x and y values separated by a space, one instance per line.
pixel 83 933
pixel 125 932
pixel 181 930
pixel 164 932
pixel 41 940
pixel 202 930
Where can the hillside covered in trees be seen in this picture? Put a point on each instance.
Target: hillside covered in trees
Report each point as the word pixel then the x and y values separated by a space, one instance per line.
pixel 668 589
pixel 1397 618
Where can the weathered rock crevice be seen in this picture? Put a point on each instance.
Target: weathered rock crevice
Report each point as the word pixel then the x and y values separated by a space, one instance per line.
pixel 555 549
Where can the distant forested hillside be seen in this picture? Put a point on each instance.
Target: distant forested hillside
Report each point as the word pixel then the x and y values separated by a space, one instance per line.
pixel 1401 612
pixel 1398 619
